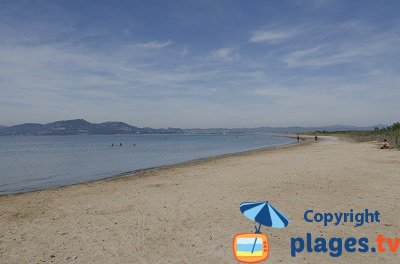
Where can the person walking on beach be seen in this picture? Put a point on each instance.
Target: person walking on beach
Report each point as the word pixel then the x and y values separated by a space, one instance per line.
pixel 316 137
pixel 298 138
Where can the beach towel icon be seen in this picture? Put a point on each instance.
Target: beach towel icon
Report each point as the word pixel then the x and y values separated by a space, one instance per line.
pixel 254 247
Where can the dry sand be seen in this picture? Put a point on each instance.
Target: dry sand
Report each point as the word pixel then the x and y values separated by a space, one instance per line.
pixel 189 213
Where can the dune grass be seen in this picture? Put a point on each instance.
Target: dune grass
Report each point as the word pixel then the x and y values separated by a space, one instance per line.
pixel 390 133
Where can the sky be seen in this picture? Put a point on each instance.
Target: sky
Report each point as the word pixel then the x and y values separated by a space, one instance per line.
pixel 200 63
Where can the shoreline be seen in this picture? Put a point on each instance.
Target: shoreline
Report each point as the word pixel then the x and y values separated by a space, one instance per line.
pixel 195 162
pixel 189 213
pixel 139 172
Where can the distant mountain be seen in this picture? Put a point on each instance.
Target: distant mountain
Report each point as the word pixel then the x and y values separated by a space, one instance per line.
pixel 80 126
pixel 292 129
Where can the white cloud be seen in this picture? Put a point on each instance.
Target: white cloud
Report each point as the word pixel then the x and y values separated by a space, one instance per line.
pixel 185 51
pixel 152 45
pixel 271 37
pixel 353 42
pixel 335 97
pixel 307 57
pixel 313 4
pixel 356 25
pixel 224 53
pixel 357 51
pixel 320 3
pixel 65 75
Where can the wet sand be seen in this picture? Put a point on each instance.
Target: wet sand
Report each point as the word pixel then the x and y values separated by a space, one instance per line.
pixel 189 213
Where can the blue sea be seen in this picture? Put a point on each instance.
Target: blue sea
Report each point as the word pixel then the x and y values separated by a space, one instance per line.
pixel 30 163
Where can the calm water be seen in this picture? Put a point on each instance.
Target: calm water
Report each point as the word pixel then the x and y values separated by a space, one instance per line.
pixel 32 163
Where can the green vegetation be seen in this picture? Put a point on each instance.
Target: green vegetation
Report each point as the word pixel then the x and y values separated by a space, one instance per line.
pixel 390 133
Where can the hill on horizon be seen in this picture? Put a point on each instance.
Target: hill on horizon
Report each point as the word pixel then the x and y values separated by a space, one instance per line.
pixel 290 129
pixel 83 127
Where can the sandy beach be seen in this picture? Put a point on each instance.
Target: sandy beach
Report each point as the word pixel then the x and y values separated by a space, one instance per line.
pixel 189 213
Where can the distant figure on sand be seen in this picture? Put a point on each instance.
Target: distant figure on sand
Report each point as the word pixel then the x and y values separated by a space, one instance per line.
pixel 385 144
pixel 120 144
pixel 112 144
pixel 316 138
pixel 298 138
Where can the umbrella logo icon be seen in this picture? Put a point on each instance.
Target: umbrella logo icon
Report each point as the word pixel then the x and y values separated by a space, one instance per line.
pixel 253 247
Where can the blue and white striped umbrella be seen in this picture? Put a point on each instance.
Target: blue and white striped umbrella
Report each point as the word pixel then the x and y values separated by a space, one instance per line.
pixel 264 214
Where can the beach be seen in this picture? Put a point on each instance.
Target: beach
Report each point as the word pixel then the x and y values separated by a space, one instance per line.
pixel 189 213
